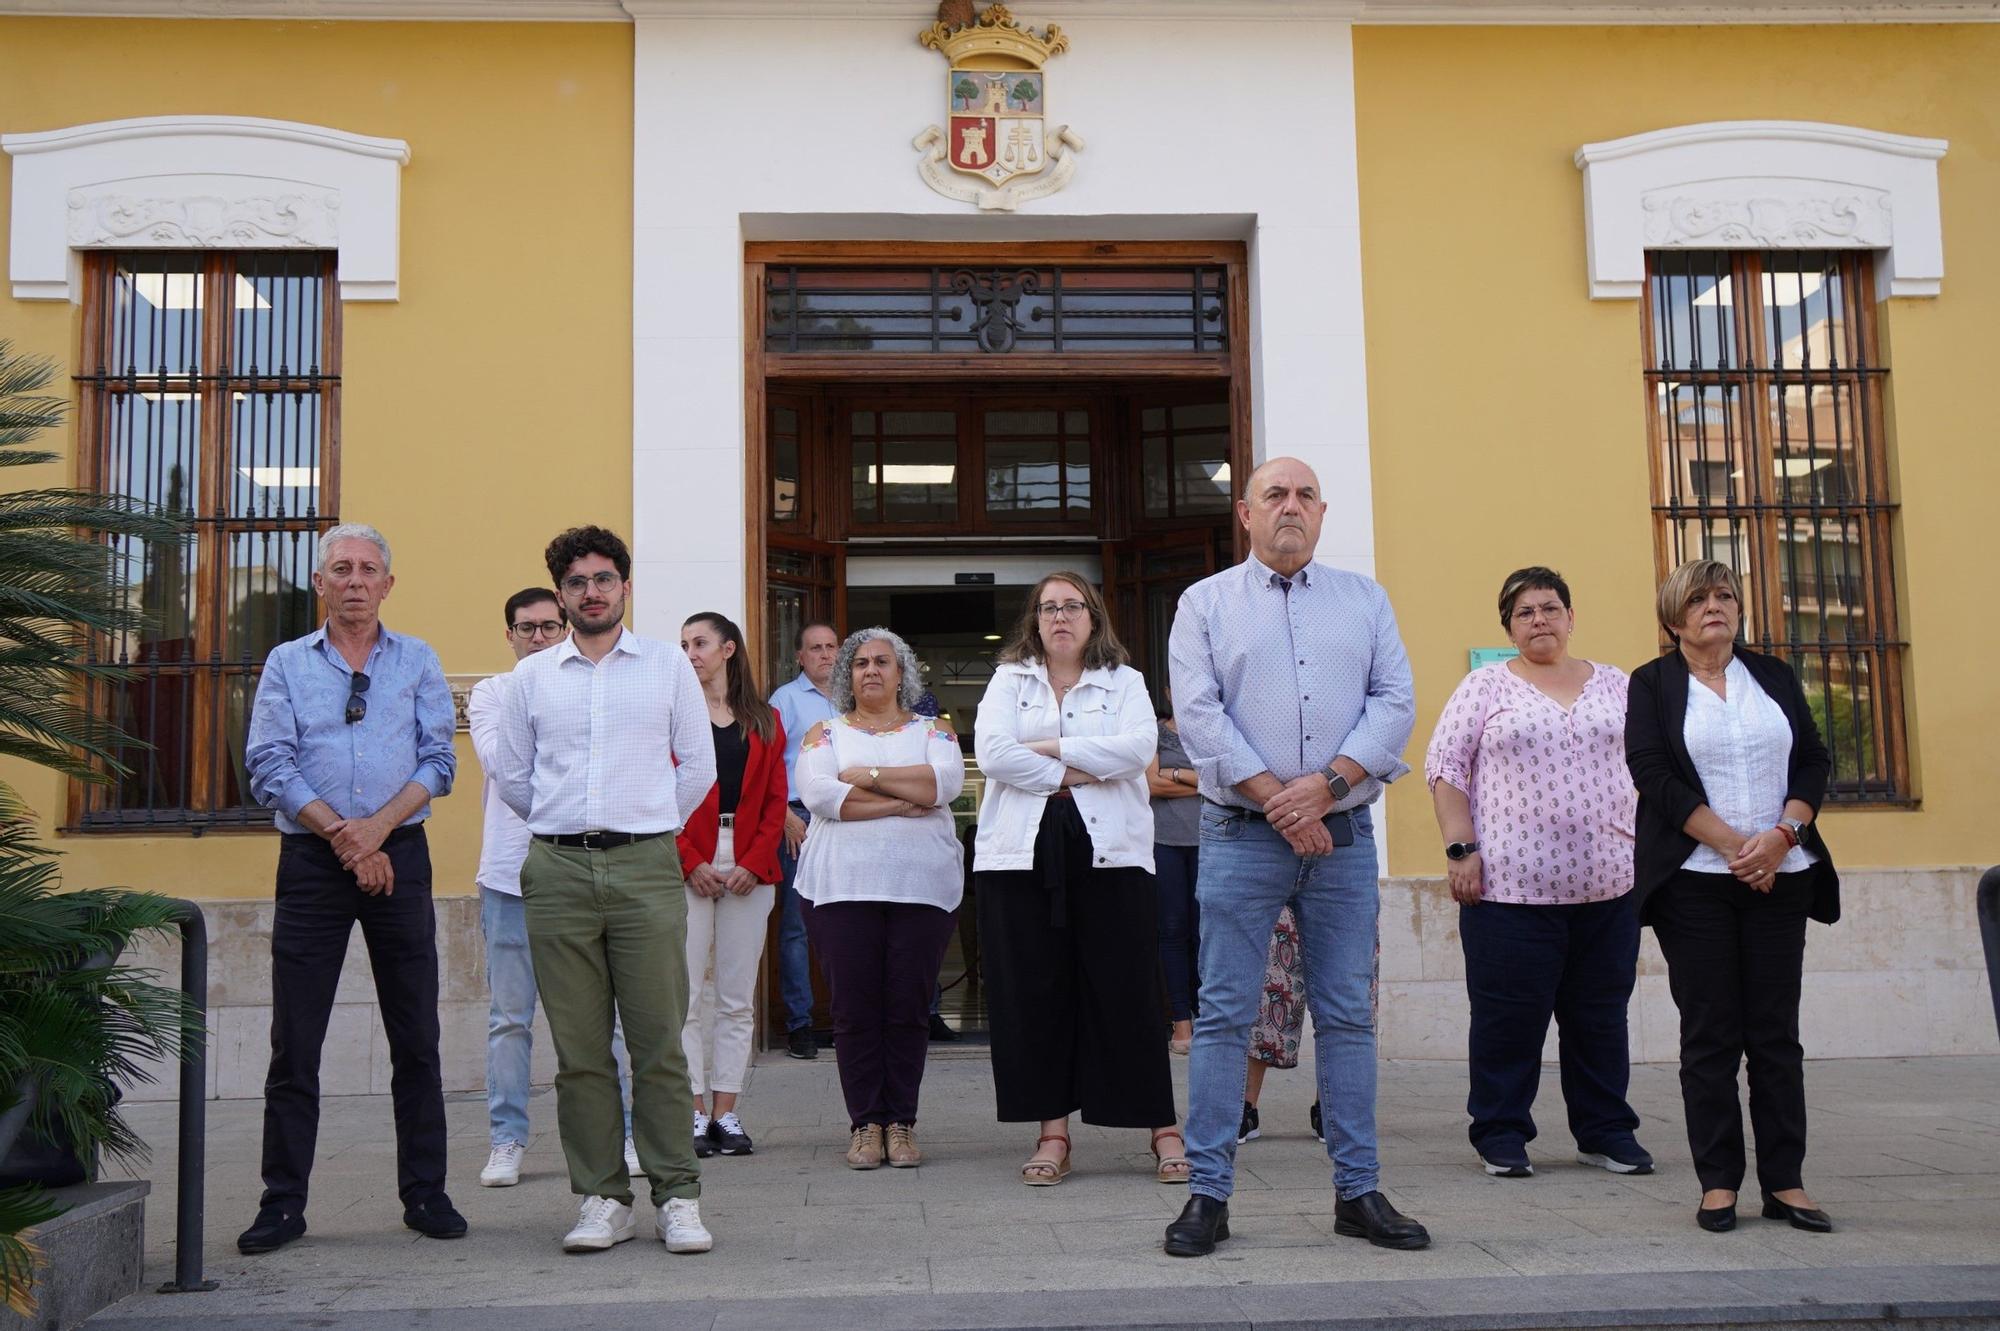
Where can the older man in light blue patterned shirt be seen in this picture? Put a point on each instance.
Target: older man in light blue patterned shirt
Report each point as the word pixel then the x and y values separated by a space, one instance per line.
pixel 1293 696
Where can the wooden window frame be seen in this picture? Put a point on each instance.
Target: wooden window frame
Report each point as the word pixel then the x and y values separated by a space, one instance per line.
pixel 1764 508
pixel 100 382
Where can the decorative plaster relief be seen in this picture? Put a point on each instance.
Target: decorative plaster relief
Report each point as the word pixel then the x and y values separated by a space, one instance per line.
pixel 204 182
pixel 1762 184
pixel 1736 214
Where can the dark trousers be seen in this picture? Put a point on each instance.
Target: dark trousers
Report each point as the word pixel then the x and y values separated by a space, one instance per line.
pixel 1524 964
pixel 1174 870
pixel 318 903
pixel 1735 961
pixel 1073 985
pixel 881 960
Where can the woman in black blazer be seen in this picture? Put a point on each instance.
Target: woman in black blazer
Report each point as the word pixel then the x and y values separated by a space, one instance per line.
pixel 1728 867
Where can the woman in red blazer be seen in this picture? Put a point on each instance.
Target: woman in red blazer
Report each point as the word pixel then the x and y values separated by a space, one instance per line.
pixel 729 858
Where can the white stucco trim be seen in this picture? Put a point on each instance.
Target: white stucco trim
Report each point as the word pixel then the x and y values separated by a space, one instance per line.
pixel 202 182
pixel 1762 184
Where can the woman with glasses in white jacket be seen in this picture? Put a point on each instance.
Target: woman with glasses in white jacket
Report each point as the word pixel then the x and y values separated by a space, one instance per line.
pixel 1063 868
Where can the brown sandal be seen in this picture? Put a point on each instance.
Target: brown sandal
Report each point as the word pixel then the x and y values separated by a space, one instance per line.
pixel 1170 1168
pixel 1047 1173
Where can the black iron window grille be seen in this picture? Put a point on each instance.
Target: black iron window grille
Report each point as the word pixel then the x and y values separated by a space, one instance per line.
pixel 1768 455
pixel 996 311
pixel 210 386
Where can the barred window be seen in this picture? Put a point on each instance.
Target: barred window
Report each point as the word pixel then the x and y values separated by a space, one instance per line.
pixel 210 386
pixel 1766 389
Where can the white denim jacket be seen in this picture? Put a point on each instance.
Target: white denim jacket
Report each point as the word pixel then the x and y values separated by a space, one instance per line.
pixel 1107 728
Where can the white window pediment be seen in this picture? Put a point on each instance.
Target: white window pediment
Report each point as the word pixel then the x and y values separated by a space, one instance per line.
pixel 203 182
pixel 1762 184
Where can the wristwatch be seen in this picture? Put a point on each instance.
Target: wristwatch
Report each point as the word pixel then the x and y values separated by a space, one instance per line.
pixel 1794 827
pixel 1459 850
pixel 874 778
pixel 1336 784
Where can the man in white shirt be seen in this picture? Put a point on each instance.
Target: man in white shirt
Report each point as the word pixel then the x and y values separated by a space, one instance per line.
pixel 586 756
pixel 535 622
pixel 800 704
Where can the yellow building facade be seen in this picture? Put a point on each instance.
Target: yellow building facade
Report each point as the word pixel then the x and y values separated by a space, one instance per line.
pixel 1397 210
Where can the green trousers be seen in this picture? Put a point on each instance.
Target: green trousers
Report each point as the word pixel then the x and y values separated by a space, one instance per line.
pixel 609 927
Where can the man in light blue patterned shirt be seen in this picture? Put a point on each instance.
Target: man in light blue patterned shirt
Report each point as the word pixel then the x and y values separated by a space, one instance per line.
pixel 1294 700
pixel 350 740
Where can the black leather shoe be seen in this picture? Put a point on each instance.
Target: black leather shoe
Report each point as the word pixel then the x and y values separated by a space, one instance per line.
pixel 1802 1217
pixel 800 1043
pixel 1717 1220
pixel 1370 1217
pixel 1203 1223
pixel 436 1218
pixel 273 1229
pixel 940 1031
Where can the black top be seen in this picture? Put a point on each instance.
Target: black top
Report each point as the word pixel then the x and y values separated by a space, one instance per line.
pixel 732 752
pixel 1670 788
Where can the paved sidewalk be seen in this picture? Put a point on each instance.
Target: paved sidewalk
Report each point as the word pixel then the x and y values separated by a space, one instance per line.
pixel 1905 1154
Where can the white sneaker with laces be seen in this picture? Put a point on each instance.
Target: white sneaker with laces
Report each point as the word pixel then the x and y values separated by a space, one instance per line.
pixel 503 1167
pixel 601 1223
pixel 632 1159
pixel 680 1227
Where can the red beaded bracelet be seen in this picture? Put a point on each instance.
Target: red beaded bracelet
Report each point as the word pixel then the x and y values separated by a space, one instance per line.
pixel 1791 837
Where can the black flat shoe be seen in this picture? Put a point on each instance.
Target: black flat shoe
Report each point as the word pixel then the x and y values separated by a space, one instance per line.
pixel 1802 1217
pixel 436 1218
pixel 1370 1217
pixel 273 1229
pixel 1719 1220
pixel 1203 1223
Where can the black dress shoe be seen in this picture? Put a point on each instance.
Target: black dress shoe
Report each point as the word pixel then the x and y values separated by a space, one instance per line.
pixel 1802 1217
pixel 1203 1223
pixel 436 1218
pixel 1370 1217
pixel 941 1032
pixel 800 1043
pixel 273 1229
pixel 1718 1219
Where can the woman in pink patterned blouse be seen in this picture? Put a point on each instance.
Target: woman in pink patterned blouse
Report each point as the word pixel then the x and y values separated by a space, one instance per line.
pixel 1527 773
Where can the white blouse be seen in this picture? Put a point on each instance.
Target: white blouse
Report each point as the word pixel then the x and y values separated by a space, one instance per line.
pixel 914 860
pixel 1742 750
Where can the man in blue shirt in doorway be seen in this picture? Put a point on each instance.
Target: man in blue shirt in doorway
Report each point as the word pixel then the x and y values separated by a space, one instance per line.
pixel 800 704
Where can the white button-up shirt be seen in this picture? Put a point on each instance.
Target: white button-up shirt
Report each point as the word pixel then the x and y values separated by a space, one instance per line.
pixel 589 747
pixel 503 844
pixel 1742 751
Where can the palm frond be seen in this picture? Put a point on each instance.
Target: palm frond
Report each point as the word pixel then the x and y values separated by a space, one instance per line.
pixel 22 1208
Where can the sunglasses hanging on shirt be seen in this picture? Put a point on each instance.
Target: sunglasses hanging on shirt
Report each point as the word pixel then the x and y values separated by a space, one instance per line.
pixel 357 697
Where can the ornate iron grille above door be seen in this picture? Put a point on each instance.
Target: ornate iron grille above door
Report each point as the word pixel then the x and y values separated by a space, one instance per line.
pixel 996 310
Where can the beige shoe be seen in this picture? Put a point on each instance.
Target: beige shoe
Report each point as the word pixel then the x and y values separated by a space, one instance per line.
pixel 864 1147
pixel 903 1152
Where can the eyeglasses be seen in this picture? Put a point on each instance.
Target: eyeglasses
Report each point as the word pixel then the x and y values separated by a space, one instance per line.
pixel 548 628
pixel 604 581
pixel 1061 610
pixel 357 697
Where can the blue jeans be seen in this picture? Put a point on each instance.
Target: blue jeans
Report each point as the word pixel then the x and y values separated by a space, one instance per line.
pixel 1248 873
pixel 510 1021
pixel 794 961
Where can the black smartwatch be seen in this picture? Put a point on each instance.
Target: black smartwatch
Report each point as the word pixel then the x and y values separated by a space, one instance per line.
pixel 1335 783
pixel 1459 850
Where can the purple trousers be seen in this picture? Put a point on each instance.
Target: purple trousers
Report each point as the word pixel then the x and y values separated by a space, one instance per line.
pixel 881 962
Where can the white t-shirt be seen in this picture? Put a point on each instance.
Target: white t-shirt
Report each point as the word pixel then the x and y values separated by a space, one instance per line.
pixel 915 860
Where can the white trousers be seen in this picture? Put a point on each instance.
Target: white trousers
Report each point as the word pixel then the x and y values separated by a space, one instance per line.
pixel 725 941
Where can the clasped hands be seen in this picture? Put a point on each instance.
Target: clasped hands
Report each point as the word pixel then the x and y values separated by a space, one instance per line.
pixel 705 880
pixel 1756 861
pixel 1298 812
pixel 358 842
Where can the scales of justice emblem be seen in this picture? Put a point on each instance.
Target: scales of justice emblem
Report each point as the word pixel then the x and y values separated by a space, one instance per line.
pixel 994 149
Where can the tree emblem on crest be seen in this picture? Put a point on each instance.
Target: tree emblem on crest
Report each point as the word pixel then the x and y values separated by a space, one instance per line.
pixel 994 149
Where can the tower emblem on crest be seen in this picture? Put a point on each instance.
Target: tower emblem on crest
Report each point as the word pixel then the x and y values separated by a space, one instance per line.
pixel 994 149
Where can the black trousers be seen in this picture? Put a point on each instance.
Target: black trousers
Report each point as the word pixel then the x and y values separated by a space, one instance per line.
pixel 881 962
pixel 1524 964
pixel 1735 960
pixel 1072 970
pixel 317 907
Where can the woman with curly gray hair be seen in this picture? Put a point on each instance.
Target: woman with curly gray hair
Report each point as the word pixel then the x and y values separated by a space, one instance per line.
pixel 881 875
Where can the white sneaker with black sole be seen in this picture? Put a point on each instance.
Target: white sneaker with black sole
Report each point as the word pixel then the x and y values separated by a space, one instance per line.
pixel 503 1166
pixel 602 1222
pixel 679 1226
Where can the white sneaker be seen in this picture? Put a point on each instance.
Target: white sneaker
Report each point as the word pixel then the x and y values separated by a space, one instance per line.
pixel 632 1159
pixel 680 1228
pixel 503 1167
pixel 603 1222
